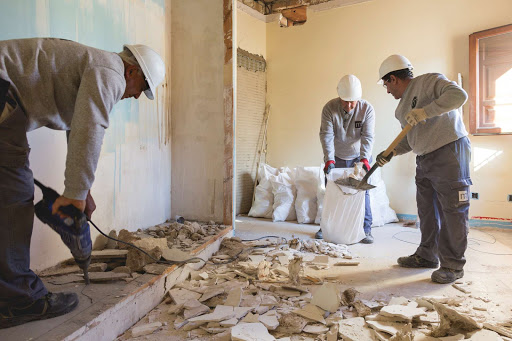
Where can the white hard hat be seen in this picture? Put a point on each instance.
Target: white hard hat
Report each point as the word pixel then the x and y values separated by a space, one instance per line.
pixel 349 88
pixel 393 63
pixel 151 64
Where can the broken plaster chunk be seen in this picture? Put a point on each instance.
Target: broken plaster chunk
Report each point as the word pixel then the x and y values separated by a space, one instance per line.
pixel 148 244
pixel 263 270
pixel 145 329
pixel 195 311
pixel 453 322
pixel 484 335
pixel 269 321
pixel 405 312
pixel 229 323
pixel 354 329
pixel 332 334
pixel 155 269
pixel 390 328
pixel 327 297
pixel 361 308
pixel 294 269
pixel 251 318
pixel 250 332
pixel 106 276
pixel 315 329
pixel 398 301
pixel 241 312
pixel 234 297
pixel 181 296
pixel 220 313
pixel 457 337
pixel 290 323
pixel 211 292
pixel 311 312
pixel 175 254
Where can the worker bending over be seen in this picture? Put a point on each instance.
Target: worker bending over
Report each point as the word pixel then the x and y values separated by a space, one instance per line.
pixel 61 85
pixel 346 134
pixel 442 164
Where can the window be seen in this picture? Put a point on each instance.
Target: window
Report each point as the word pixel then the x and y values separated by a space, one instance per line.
pixel 490 81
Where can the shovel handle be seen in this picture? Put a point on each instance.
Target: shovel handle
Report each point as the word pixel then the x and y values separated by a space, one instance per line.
pixel 388 151
pixel 397 140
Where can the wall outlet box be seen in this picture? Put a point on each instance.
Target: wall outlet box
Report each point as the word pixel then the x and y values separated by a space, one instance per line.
pixel 509 198
pixel 475 196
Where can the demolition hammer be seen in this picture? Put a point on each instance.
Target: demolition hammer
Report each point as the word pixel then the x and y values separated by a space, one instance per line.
pixel 73 229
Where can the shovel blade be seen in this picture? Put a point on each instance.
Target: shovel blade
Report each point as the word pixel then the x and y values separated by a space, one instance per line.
pixel 354 184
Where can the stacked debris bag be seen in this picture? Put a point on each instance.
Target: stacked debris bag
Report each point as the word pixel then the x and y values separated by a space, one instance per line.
pixel 285 194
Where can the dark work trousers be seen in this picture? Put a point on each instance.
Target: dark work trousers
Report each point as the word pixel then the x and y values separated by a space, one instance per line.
pixel 367 209
pixel 442 181
pixel 18 284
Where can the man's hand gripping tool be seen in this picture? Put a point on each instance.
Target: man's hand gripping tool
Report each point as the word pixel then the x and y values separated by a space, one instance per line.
pixel 73 230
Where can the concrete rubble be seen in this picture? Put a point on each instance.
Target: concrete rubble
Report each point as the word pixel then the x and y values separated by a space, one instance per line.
pixel 113 261
pixel 253 297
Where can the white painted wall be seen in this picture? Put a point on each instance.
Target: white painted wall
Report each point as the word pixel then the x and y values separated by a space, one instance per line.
pixel 251 34
pixel 132 186
pixel 197 109
pixel 306 62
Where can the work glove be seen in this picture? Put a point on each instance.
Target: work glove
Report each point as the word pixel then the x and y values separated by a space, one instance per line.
pixel 366 164
pixel 382 160
pixel 328 166
pixel 416 116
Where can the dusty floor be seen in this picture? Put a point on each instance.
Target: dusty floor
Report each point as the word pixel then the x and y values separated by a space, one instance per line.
pixel 488 268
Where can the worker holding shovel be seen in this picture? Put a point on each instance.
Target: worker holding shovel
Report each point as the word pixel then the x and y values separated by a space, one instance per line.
pixel 442 164
pixel 346 134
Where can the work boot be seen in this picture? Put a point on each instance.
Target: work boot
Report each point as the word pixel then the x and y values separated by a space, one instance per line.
pixel 368 239
pixel 48 306
pixel 415 261
pixel 445 275
pixel 319 235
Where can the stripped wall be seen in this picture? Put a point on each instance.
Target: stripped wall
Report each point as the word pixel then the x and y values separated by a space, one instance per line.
pixel 198 109
pixel 132 186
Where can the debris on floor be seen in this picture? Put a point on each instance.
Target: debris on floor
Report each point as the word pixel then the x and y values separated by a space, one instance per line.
pixel 273 290
pixel 113 261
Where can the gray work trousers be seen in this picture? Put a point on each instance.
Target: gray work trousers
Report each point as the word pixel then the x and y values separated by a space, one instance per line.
pixel 442 181
pixel 18 284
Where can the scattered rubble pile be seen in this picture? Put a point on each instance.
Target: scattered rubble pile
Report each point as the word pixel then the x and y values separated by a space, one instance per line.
pixel 110 260
pixel 269 293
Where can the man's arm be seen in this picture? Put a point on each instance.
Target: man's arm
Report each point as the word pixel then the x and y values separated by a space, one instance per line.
pixel 367 134
pixel 448 96
pixel 99 90
pixel 327 134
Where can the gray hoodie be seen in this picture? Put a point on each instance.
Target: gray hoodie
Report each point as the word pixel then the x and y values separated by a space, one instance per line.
pixel 64 85
pixel 347 135
pixel 440 98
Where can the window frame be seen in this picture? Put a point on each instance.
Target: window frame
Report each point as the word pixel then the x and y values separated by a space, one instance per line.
pixel 474 88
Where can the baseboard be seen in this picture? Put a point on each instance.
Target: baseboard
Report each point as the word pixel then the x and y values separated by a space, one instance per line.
pixel 473 222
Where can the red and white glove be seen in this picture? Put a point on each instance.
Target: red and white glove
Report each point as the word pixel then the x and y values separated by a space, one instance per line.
pixel 328 166
pixel 366 164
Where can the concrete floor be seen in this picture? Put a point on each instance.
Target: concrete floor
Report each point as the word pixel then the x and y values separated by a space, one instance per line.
pixel 488 267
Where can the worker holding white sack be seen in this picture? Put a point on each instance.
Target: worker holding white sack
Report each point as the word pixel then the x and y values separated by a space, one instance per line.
pixel 346 133
pixel 442 164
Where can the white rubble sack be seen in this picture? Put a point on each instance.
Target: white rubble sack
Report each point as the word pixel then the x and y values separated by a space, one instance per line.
pixel 320 193
pixel 306 181
pixel 262 206
pixel 382 213
pixel 343 211
pixel 284 190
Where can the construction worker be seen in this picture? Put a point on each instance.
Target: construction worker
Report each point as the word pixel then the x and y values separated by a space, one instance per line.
pixel 61 85
pixel 346 134
pixel 442 164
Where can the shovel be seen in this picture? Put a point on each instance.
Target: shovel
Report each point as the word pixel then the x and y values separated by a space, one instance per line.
pixel 363 185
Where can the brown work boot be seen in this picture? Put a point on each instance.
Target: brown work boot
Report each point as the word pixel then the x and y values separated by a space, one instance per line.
pixel 48 306
pixel 445 275
pixel 415 261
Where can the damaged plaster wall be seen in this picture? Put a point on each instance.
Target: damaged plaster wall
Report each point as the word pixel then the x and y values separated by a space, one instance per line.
pixel 132 186
pixel 306 62
pixel 197 109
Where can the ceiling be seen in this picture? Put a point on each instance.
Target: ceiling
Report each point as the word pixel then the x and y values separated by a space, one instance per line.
pixel 267 7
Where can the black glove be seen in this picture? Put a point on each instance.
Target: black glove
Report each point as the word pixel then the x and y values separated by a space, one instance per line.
pixel 382 160
pixel 328 166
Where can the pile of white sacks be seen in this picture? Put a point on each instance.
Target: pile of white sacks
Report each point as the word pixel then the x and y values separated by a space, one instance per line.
pixel 297 194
